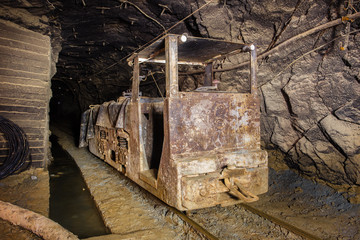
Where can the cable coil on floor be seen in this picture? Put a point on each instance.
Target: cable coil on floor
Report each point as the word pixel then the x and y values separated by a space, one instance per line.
pixel 18 147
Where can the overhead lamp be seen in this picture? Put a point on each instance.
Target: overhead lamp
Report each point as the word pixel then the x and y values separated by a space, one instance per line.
pixel 184 37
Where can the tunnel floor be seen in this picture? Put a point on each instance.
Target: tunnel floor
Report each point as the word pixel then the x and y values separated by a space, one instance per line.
pixel 132 212
pixel 312 207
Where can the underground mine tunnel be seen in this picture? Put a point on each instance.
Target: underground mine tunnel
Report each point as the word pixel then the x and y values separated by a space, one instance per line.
pixel 199 119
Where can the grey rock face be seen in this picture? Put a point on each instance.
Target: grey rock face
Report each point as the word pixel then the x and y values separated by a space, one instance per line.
pixel 350 112
pixel 352 166
pixel 310 89
pixel 343 134
pixel 284 135
pixel 310 99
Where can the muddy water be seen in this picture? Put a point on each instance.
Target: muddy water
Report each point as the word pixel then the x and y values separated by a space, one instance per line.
pixel 71 204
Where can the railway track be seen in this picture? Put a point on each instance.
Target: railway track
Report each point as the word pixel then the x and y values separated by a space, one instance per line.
pixel 281 223
pixel 240 221
pixel 296 232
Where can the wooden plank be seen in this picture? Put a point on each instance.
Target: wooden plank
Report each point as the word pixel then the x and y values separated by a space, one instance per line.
pixel 34 130
pixel 171 67
pixel 24 81
pixel 36 154
pixel 21 34
pixel 37 157
pixel 4 145
pixel 8 42
pixel 30 123
pixel 38 164
pixel 21 94
pixel 9 26
pixel 34 144
pixel 13 116
pixel 23 89
pixel 26 67
pixel 23 102
pixel 6 51
pixel 38 142
pixel 40 150
pixel 14 73
pixel 21 109
pixel 31 137
pixel 30 65
pixel 4 152
pixel 135 80
pixel 208 75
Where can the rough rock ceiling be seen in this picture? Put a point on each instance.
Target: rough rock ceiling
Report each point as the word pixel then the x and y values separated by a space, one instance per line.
pixel 97 35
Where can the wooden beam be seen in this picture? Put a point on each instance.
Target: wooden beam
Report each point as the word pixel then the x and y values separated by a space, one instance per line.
pixel 208 75
pixel 135 82
pixel 253 68
pixel 171 67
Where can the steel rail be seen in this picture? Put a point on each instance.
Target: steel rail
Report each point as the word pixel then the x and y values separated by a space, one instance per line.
pixel 193 224
pixel 280 222
pixel 199 229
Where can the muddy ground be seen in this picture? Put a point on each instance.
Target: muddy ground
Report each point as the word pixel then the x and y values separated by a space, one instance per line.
pixel 310 206
pixel 30 190
pixel 129 210
pixel 314 208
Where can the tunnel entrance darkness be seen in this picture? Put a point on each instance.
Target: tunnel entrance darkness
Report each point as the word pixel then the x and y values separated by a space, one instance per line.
pixel 64 107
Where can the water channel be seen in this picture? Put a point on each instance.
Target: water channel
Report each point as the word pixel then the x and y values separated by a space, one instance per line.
pixel 71 204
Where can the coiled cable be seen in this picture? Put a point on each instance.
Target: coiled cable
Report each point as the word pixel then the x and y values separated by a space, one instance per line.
pixel 18 148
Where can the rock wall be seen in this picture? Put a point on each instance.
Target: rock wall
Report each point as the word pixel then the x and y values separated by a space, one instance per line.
pixel 310 88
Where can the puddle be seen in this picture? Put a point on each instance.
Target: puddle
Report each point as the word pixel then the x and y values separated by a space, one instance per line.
pixel 71 204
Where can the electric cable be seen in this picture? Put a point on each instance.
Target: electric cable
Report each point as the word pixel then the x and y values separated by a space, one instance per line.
pixel 18 146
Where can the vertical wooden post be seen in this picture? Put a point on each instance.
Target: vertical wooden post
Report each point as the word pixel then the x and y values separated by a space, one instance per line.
pixel 133 165
pixel 208 75
pixel 171 68
pixel 135 82
pixel 253 69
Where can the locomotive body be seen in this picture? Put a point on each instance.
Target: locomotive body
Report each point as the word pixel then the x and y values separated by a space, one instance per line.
pixel 190 149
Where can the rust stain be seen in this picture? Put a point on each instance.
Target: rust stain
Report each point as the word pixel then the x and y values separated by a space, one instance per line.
pixel 191 149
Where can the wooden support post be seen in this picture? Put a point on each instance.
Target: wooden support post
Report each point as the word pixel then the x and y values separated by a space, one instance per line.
pixel 135 82
pixel 253 69
pixel 171 53
pixel 208 75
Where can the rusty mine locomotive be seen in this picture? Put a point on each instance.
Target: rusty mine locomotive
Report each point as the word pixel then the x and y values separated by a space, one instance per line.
pixel 191 149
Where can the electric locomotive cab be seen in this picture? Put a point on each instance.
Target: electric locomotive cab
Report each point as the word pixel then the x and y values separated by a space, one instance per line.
pixel 191 149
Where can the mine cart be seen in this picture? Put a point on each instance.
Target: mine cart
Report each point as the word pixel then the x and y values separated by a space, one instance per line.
pixel 192 149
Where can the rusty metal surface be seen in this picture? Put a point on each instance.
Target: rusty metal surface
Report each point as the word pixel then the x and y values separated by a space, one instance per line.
pixel 203 122
pixel 196 50
pixel 191 149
